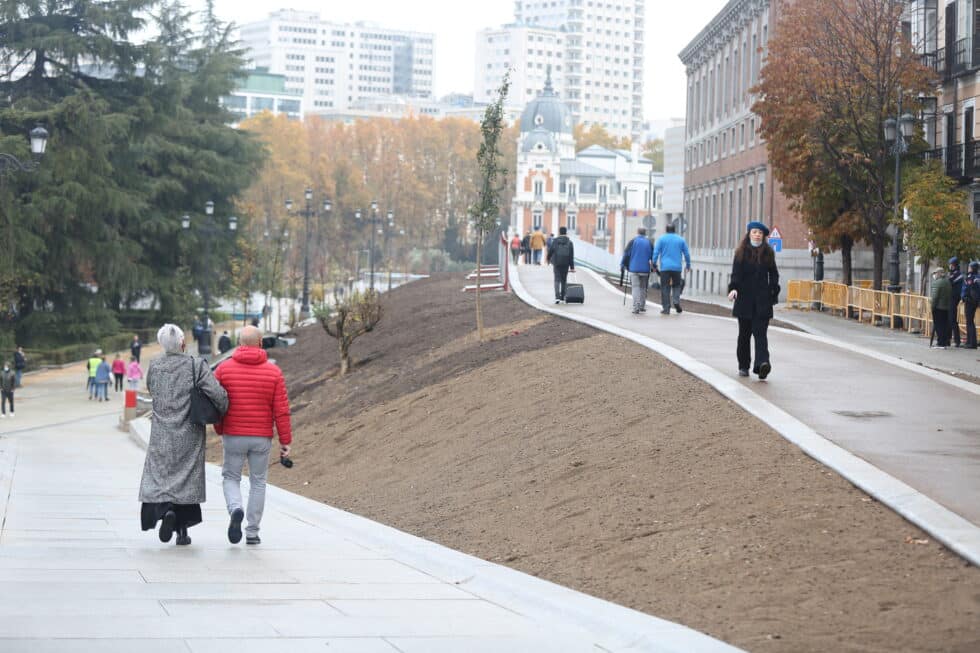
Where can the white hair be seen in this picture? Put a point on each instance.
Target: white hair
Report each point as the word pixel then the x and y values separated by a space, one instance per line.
pixel 170 338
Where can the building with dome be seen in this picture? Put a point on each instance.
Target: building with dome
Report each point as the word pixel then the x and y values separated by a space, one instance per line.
pixel 600 195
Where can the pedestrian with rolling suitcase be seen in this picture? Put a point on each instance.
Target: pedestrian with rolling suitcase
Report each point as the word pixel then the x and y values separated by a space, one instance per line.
pixel 561 257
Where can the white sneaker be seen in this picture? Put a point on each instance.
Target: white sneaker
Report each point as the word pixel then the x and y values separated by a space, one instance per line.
pixel 4 416
pixel 11 414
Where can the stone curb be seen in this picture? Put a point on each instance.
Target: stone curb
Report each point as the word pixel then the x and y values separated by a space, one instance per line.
pixel 615 627
pixel 955 532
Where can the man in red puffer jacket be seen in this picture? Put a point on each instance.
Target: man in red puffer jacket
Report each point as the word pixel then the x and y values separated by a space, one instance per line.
pixel 256 398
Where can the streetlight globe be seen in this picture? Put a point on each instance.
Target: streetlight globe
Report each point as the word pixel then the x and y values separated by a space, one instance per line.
pixel 391 216
pixel 185 221
pixel 374 206
pixel 232 223
pixel 265 234
pixel 285 233
pixel 308 194
pixel 289 205
pixel 357 214
pixel 906 124
pixel 327 205
pixel 380 232
pixel 209 208
pixel 39 140
pixel 890 130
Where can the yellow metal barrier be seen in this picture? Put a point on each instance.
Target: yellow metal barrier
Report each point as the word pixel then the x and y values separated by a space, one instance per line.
pixel 833 296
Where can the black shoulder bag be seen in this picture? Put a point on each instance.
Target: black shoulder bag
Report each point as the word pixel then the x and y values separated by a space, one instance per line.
pixel 203 410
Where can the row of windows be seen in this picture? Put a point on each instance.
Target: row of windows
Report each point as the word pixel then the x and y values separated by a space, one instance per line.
pixel 297 30
pixel 718 214
pixel 325 60
pixel 325 71
pixel 720 87
pixel 720 145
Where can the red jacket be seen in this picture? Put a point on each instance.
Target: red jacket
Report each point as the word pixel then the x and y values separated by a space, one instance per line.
pixel 256 396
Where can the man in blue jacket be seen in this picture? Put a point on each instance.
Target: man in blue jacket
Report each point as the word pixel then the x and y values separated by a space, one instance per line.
pixel 671 252
pixel 638 259
pixel 956 281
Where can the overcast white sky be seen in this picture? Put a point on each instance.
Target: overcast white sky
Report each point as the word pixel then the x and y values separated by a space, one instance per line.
pixel 671 24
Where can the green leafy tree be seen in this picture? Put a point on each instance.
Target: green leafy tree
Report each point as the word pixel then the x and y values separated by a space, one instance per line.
pixel 939 223
pixel 654 151
pixel 485 212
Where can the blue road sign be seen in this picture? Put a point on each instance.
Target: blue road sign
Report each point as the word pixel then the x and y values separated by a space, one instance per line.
pixel 776 244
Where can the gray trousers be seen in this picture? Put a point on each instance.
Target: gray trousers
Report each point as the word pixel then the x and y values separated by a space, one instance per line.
pixel 638 282
pixel 238 448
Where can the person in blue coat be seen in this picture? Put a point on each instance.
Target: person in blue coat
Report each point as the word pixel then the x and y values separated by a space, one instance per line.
pixel 755 290
pixel 971 298
pixel 103 374
pixel 670 256
pixel 638 260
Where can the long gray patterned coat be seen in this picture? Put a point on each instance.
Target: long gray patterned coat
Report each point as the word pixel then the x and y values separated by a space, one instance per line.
pixel 174 468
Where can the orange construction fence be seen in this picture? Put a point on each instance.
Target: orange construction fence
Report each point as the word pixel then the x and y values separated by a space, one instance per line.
pixel 913 312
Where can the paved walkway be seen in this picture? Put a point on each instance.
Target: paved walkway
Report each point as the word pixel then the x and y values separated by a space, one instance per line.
pixel 844 405
pixel 78 574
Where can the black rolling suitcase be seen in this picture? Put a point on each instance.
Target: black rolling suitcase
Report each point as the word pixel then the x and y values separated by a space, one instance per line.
pixel 574 293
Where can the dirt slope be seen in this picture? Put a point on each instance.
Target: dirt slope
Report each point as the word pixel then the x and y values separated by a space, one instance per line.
pixel 594 463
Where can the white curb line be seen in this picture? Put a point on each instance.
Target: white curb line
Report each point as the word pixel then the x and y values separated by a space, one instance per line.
pixel 955 532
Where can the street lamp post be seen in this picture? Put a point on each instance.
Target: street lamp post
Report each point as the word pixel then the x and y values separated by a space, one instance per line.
pixel 210 228
pixel 373 220
pixel 897 133
pixel 39 142
pixel 308 212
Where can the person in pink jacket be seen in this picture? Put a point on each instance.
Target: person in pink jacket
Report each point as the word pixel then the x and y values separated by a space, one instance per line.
pixel 118 372
pixel 134 373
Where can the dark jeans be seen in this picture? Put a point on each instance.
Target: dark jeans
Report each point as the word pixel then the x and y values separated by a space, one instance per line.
pixel 527 256
pixel 119 380
pixel 940 324
pixel 8 397
pixel 954 327
pixel 515 254
pixel 971 327
pixel 561 281
pixel 670 284
pixel 756 328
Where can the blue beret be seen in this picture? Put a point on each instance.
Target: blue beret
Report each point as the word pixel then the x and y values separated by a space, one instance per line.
pixel 954 260
pixel 757 225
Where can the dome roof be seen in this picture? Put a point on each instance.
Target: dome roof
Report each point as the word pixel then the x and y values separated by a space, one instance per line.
pixel 539 140
pixel 547 111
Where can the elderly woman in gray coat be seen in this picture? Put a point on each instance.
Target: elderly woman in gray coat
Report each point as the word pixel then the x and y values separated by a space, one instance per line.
pixel 172 488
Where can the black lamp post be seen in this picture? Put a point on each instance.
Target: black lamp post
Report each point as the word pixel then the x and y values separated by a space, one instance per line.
pixel 39 142
pixel 308 212
pixel 210 228
pixel 897 134
pixel 373 220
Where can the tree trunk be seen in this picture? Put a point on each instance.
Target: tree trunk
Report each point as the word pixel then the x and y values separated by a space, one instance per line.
pixel 847 259
pixel 924 277
pixel 344 346
pixel 479 302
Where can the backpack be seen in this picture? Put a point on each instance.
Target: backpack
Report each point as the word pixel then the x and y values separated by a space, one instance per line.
pixel 563 252
pixel 973 292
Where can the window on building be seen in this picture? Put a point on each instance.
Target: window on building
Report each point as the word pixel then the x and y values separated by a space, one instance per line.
pixel 751 205
pixel 572 222
pixel 602 192
pixel 538 190
pixel 537 220
pixel 600 219
pixel 762 201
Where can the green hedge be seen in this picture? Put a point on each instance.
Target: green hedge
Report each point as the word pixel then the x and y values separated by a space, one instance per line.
pixel 71 353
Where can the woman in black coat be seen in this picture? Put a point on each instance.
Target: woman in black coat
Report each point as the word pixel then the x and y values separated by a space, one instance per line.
pixel 755 289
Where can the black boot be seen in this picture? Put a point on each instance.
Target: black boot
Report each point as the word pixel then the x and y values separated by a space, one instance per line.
pixel 183 539
pixel 167 525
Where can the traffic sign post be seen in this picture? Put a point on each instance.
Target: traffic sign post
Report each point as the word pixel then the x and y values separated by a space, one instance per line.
pixel 775 239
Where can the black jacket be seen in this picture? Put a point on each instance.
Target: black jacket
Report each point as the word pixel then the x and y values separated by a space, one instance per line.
pixel 19 361
pixel 224 343
pixel 553 247
pixel 757 285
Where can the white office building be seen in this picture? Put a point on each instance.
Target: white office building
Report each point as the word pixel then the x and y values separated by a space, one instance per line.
pixel 527 52
pixel 602 61
pixel 335 65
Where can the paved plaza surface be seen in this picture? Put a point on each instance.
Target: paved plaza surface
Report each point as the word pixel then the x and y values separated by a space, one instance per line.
pixel 917 425
pixel 79 575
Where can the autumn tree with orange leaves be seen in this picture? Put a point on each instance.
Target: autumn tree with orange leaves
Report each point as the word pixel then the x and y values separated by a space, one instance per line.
pixel 835 71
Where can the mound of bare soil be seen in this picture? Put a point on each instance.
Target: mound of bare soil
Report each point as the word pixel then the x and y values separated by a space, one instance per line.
pixel 587 460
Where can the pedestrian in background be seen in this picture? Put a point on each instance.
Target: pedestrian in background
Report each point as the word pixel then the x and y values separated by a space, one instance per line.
pixel 118 372
pixel 224 343
pixel 515 248
pixel 537 245
pixel 754 287
pixel 103 374
pixel 561 256
pixel 956 287
pixel 940 294
pixel 20 364
pixel 971 298
pixel 526 247
pixel 670 256
pixel 134 373
pixel 92 366
pixel 136 347
pixel 8 381
pixel 173 487
pixel 638 261
pixel 257 400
